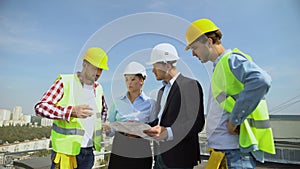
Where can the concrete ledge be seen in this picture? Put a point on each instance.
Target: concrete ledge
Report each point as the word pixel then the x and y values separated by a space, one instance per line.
pixel 34 163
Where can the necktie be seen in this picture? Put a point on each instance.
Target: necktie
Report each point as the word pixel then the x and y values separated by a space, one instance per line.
pixel 163 101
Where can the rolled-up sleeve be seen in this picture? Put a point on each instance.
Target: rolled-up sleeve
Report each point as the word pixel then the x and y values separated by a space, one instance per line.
pixel 256 84
pixel 47 107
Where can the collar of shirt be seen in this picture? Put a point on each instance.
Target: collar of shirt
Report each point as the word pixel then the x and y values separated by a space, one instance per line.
pixel 171 82
pixel 219 57
pixel 141 96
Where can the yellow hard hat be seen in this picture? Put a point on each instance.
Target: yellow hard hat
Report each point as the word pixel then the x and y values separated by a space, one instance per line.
pixel 198 28
pixel 97 57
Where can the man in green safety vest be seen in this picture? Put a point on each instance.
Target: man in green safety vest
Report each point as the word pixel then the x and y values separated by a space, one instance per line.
pixel 76 104
pixel 237 118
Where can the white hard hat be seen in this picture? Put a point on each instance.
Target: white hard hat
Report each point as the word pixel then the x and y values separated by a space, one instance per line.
pixel 163 52
pixel 134 68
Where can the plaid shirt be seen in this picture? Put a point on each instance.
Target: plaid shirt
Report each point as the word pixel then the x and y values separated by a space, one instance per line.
pixel 47 106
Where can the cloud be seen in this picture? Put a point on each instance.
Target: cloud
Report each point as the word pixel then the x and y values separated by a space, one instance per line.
pixel 18 36
pixel 11 43
pixel 157 5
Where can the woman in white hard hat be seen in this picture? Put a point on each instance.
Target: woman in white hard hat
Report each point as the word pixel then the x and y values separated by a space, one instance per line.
pixel 130 151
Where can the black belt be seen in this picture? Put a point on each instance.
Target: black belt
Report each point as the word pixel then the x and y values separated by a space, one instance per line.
pixel 87 147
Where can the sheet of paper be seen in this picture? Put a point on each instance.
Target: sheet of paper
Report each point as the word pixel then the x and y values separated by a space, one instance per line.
pixel 135 128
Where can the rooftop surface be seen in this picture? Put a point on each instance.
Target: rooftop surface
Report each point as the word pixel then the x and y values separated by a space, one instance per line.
pixel 44 163
pixel 266 165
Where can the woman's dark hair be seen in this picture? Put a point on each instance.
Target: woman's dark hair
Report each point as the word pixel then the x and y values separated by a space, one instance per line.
pixel 141 76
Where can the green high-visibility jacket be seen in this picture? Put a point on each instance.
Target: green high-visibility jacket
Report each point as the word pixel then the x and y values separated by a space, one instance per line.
pixel 256 129
pixel 67 136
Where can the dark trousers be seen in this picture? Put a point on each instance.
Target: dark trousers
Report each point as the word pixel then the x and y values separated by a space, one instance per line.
pixel 159 164
pixel 120 162
pixel 130 153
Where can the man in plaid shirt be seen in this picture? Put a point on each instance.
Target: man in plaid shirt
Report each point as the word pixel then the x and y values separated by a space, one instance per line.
pixel 77 106
pixel 47 108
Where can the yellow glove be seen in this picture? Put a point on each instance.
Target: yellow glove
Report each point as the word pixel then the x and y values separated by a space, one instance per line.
pixel 216 160
pixel 65 161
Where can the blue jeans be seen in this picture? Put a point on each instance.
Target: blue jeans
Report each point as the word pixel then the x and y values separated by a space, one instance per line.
pixel 159 164
pixel 85 159
pixel 238 160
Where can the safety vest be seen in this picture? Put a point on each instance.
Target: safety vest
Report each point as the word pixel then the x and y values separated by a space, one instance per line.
pixel 256 129
pixel 67 136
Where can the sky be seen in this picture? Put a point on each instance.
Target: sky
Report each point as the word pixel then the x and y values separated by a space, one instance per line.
pixel 42 39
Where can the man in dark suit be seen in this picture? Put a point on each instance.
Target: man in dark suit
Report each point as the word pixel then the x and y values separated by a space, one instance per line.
pixel 180 114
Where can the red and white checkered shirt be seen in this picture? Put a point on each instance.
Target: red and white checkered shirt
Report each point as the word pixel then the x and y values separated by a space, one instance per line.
pixel 47 106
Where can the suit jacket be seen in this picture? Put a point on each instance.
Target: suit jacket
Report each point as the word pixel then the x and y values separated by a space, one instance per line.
pixel 184 113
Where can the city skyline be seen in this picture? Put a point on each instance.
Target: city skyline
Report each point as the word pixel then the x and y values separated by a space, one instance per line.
pixel 41 40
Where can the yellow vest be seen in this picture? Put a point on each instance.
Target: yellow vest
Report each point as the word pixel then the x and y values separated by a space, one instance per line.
pixel 66 136
pixel 256 129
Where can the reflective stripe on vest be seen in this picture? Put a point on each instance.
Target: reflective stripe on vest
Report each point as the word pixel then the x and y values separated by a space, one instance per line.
pixel 72 131
pixel 67 136
pixel 223 96
pixel 259 124
pixel 225 88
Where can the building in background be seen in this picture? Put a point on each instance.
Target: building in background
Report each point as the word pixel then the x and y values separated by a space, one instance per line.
pixel 26 119
pixel 46 122
pixel 5 114
pixel 17 113
pixel 12 118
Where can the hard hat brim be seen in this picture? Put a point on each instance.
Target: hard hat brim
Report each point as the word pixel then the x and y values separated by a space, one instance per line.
pixel 150 63
pixel 188 47
pixel 104 68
